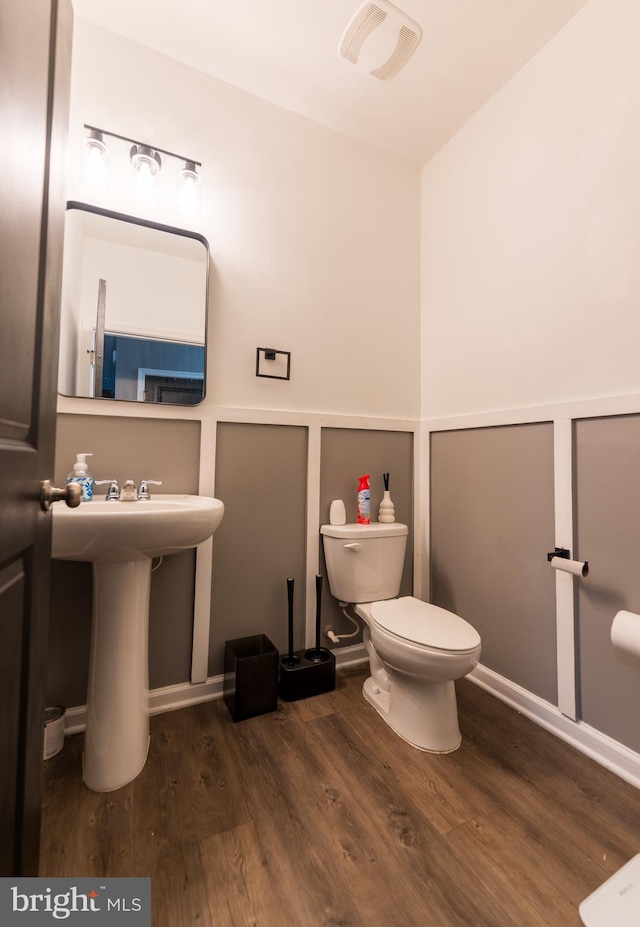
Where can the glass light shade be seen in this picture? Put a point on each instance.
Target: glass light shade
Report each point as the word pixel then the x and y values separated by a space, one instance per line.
pixel 95 168
pixel 146 165
pixel 189 190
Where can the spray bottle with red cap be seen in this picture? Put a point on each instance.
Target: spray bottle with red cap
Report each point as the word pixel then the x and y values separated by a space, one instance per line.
pixel 364 501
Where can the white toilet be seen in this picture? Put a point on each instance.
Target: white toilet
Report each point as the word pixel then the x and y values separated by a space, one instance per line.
pixel 416 650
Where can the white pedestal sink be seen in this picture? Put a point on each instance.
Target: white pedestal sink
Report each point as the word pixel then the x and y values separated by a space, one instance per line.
pixel 120 539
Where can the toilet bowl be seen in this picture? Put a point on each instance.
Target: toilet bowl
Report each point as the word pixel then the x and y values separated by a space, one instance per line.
pixel 416 650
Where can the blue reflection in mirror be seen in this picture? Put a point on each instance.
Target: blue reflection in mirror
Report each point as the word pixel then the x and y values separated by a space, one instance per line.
pixel 152 370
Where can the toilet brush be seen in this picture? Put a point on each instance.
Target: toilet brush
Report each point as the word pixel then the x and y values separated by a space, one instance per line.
pixel 318 608
pixel 292 659
pixel 306 672
pixel 318 654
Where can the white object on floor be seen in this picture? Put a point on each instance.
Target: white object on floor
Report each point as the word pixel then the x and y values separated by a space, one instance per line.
pixel 617 902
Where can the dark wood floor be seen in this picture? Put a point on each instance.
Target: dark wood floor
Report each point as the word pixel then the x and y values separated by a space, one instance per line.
pixel 318 814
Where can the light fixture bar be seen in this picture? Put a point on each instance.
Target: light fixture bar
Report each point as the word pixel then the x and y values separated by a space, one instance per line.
pixel 124 138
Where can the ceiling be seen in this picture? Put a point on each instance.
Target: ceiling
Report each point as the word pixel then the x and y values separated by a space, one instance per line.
pixel 285 51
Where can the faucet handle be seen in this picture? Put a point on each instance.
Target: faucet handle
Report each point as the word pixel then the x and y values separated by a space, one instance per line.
pixel 143 488
pixel 113 492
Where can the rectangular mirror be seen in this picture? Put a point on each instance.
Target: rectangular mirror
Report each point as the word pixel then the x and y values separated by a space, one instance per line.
pixel 134 309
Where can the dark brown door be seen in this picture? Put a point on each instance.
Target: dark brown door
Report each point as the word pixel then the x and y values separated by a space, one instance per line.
pixel 35 55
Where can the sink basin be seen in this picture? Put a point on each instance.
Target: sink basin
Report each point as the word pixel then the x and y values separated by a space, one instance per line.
pixel 100 531
pixel 121 539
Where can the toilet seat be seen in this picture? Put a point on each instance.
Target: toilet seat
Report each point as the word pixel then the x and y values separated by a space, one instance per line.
pixel 425 624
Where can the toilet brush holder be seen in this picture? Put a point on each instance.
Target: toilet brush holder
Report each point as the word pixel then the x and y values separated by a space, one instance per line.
pixel 304 673
pixel 308 676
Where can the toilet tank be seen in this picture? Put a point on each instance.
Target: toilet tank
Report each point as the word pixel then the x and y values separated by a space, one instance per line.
pixel 364 562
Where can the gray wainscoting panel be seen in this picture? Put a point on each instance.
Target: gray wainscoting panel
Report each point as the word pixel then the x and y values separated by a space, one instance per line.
pixel 163 449
pixel 140 448
pixel 607 534
pixel 492 523
pixel 346 454
pixel 261 476
pixel 69 632
pixel 171 620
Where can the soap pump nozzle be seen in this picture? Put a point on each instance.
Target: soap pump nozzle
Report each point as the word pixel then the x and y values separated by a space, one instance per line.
pixel 80 466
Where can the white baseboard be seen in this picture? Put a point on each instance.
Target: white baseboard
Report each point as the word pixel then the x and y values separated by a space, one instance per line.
pixel 598 746
pixel 606 751
pixel 184 694
pixel 350 656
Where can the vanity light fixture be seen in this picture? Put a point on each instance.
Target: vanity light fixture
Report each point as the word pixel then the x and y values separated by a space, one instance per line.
pixel 96 159
pixel 146 163
pixel 146 159
pixel 189 189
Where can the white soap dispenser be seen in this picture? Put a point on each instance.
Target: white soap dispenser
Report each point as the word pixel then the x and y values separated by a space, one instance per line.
pixel 81 475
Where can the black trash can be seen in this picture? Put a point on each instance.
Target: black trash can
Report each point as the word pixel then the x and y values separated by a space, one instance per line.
pixel 250 676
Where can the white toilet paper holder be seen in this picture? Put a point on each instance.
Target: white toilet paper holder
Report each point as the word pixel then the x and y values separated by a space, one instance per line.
pixel 578 568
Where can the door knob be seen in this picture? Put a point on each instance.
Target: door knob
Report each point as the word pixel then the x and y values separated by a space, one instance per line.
pixel 71 494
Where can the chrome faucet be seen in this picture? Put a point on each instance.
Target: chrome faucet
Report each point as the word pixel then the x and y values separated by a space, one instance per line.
pixel 143 488
pixel 128 493
pixel 113 492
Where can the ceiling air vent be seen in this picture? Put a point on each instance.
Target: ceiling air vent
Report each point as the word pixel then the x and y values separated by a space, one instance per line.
pixel 380 39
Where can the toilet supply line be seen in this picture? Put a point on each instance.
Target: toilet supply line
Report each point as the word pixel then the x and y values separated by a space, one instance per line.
pixel 330 634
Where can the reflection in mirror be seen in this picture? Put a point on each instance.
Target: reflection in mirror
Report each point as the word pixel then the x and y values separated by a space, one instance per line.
pixel 134 307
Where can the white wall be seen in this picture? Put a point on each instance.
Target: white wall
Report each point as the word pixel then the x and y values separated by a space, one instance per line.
pixel 531 231
pixel 314 238
pixel 157 295
pixel 70 310
pixel 530 285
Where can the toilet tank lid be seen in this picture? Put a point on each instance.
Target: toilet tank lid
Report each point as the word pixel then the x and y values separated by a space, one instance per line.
pixel 374 530
pixel 426 624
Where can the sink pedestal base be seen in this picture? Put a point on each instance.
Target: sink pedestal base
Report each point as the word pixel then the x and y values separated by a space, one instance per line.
pixel 117 734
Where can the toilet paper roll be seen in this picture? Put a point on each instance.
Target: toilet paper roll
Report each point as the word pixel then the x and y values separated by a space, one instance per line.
pixel 625 633
pixel 577 567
